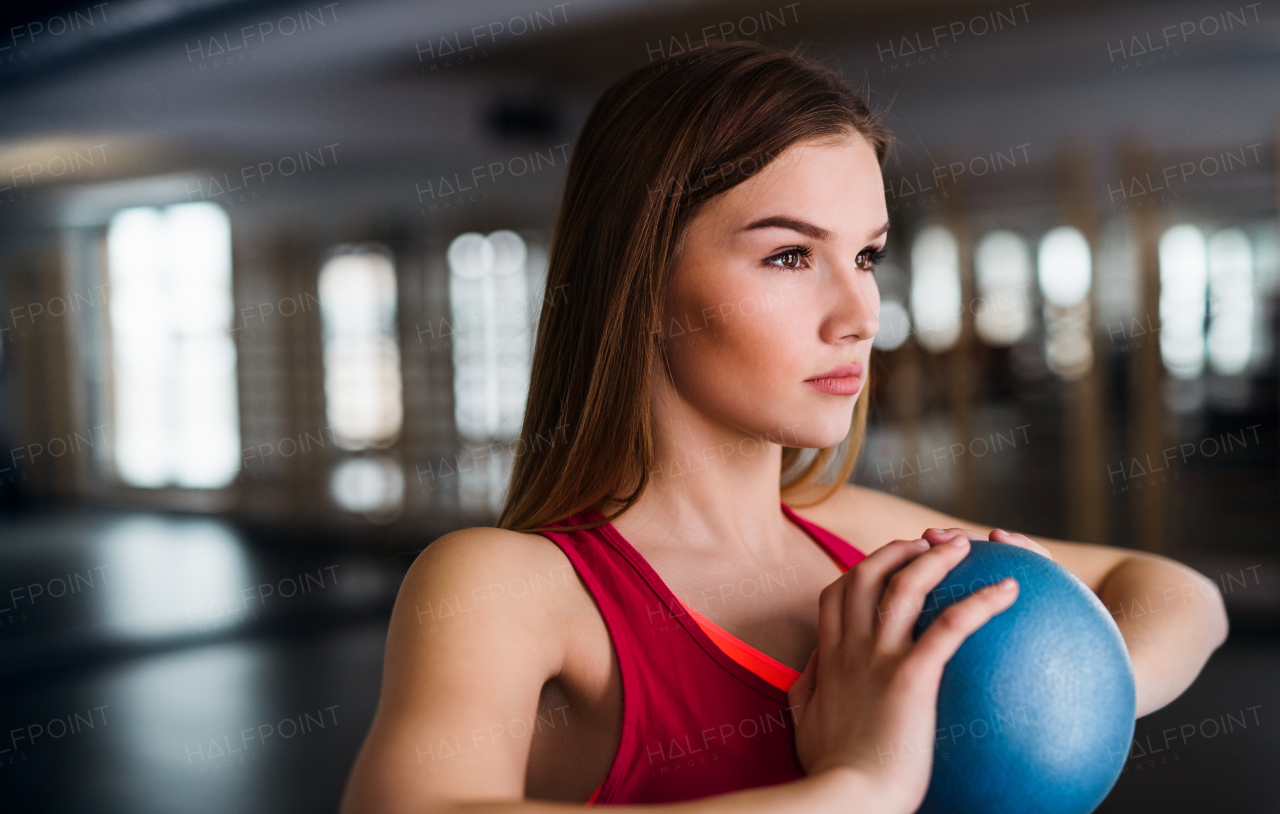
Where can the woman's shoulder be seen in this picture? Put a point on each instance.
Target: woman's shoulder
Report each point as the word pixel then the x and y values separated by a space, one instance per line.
pixel 488 551
pixel 487 568
pixel 480 540
pixel 467 642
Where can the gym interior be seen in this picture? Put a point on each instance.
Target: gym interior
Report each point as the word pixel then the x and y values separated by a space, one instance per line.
pixel 250 364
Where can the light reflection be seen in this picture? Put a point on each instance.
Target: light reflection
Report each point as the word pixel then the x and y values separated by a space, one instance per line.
pixel 171 578
pixel 373 486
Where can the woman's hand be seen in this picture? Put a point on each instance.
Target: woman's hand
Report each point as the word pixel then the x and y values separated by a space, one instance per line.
pixel 936 536
pixel 867 699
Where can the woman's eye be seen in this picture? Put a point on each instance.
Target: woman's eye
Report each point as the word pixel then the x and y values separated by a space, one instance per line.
pixel 868 258
pixel 790 258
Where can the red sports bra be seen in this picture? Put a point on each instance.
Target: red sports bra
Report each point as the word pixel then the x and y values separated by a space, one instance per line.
pixel 703 712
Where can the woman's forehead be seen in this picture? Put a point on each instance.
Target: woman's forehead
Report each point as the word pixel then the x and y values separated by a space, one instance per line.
pixel 823 191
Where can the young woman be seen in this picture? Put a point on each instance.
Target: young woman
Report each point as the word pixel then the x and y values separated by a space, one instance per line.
pixel 684 601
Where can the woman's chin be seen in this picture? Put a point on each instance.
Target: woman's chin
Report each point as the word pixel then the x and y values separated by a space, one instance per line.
pixel 821 431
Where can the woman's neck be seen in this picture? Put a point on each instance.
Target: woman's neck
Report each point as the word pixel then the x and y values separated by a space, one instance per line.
pixel 701 497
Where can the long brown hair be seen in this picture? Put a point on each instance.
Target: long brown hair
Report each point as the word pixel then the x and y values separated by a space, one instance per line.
pixel 662 141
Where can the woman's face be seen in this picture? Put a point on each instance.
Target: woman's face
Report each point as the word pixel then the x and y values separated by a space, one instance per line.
pixel 776 289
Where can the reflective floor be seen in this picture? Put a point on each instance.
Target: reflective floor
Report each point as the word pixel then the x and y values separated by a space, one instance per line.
pixel 83 587
pixel 261 725
pixel 160 663
pixel 177 682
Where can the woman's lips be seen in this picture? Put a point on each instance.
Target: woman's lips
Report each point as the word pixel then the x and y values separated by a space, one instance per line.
pixel 845 380
pixel 837 386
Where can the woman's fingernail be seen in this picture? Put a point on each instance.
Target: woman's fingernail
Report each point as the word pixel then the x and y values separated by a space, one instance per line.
pixel 959 541
pixel 922 543
pixel 936 531
pixel 1007 584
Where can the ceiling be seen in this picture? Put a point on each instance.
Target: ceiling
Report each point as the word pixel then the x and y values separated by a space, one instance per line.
pixel 154 82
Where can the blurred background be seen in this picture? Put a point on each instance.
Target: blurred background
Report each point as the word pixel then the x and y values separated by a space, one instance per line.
pixel 269 274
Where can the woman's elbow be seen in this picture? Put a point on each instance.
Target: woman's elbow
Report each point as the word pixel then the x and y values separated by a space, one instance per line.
pixel 1212 609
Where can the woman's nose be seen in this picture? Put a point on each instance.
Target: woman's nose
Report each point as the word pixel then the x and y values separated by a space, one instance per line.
pixel 855 305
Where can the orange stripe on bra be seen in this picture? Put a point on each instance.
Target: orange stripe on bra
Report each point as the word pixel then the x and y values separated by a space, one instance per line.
pixel 762 664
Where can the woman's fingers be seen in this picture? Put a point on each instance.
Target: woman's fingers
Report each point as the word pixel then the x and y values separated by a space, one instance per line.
pixel 907 592
pixel 831 612
pixel 863 600
pixel 936 536
pixel 1020 540
pixel 802 688
pixel 943 638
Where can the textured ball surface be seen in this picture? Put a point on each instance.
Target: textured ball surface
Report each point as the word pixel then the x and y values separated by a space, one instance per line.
pixel 1035 710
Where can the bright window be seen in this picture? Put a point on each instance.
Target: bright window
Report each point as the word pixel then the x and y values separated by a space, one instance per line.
pixel 492 349
pixel 1066 266
pixel 1065 271
pixel 1002 267
pixel 362 388
pixel 489 297
pixel 175 412
pixel 935 288
pixel 1183 282
pixel 1231 297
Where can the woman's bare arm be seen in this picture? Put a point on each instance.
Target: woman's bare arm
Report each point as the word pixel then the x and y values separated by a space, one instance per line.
pixel 1171 616
pixel 461 662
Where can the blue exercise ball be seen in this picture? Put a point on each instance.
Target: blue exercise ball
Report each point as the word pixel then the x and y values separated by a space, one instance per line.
pixel 1035 710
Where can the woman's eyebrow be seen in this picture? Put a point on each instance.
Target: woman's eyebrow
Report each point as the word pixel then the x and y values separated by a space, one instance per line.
pixel 803 227
pixel 794 224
